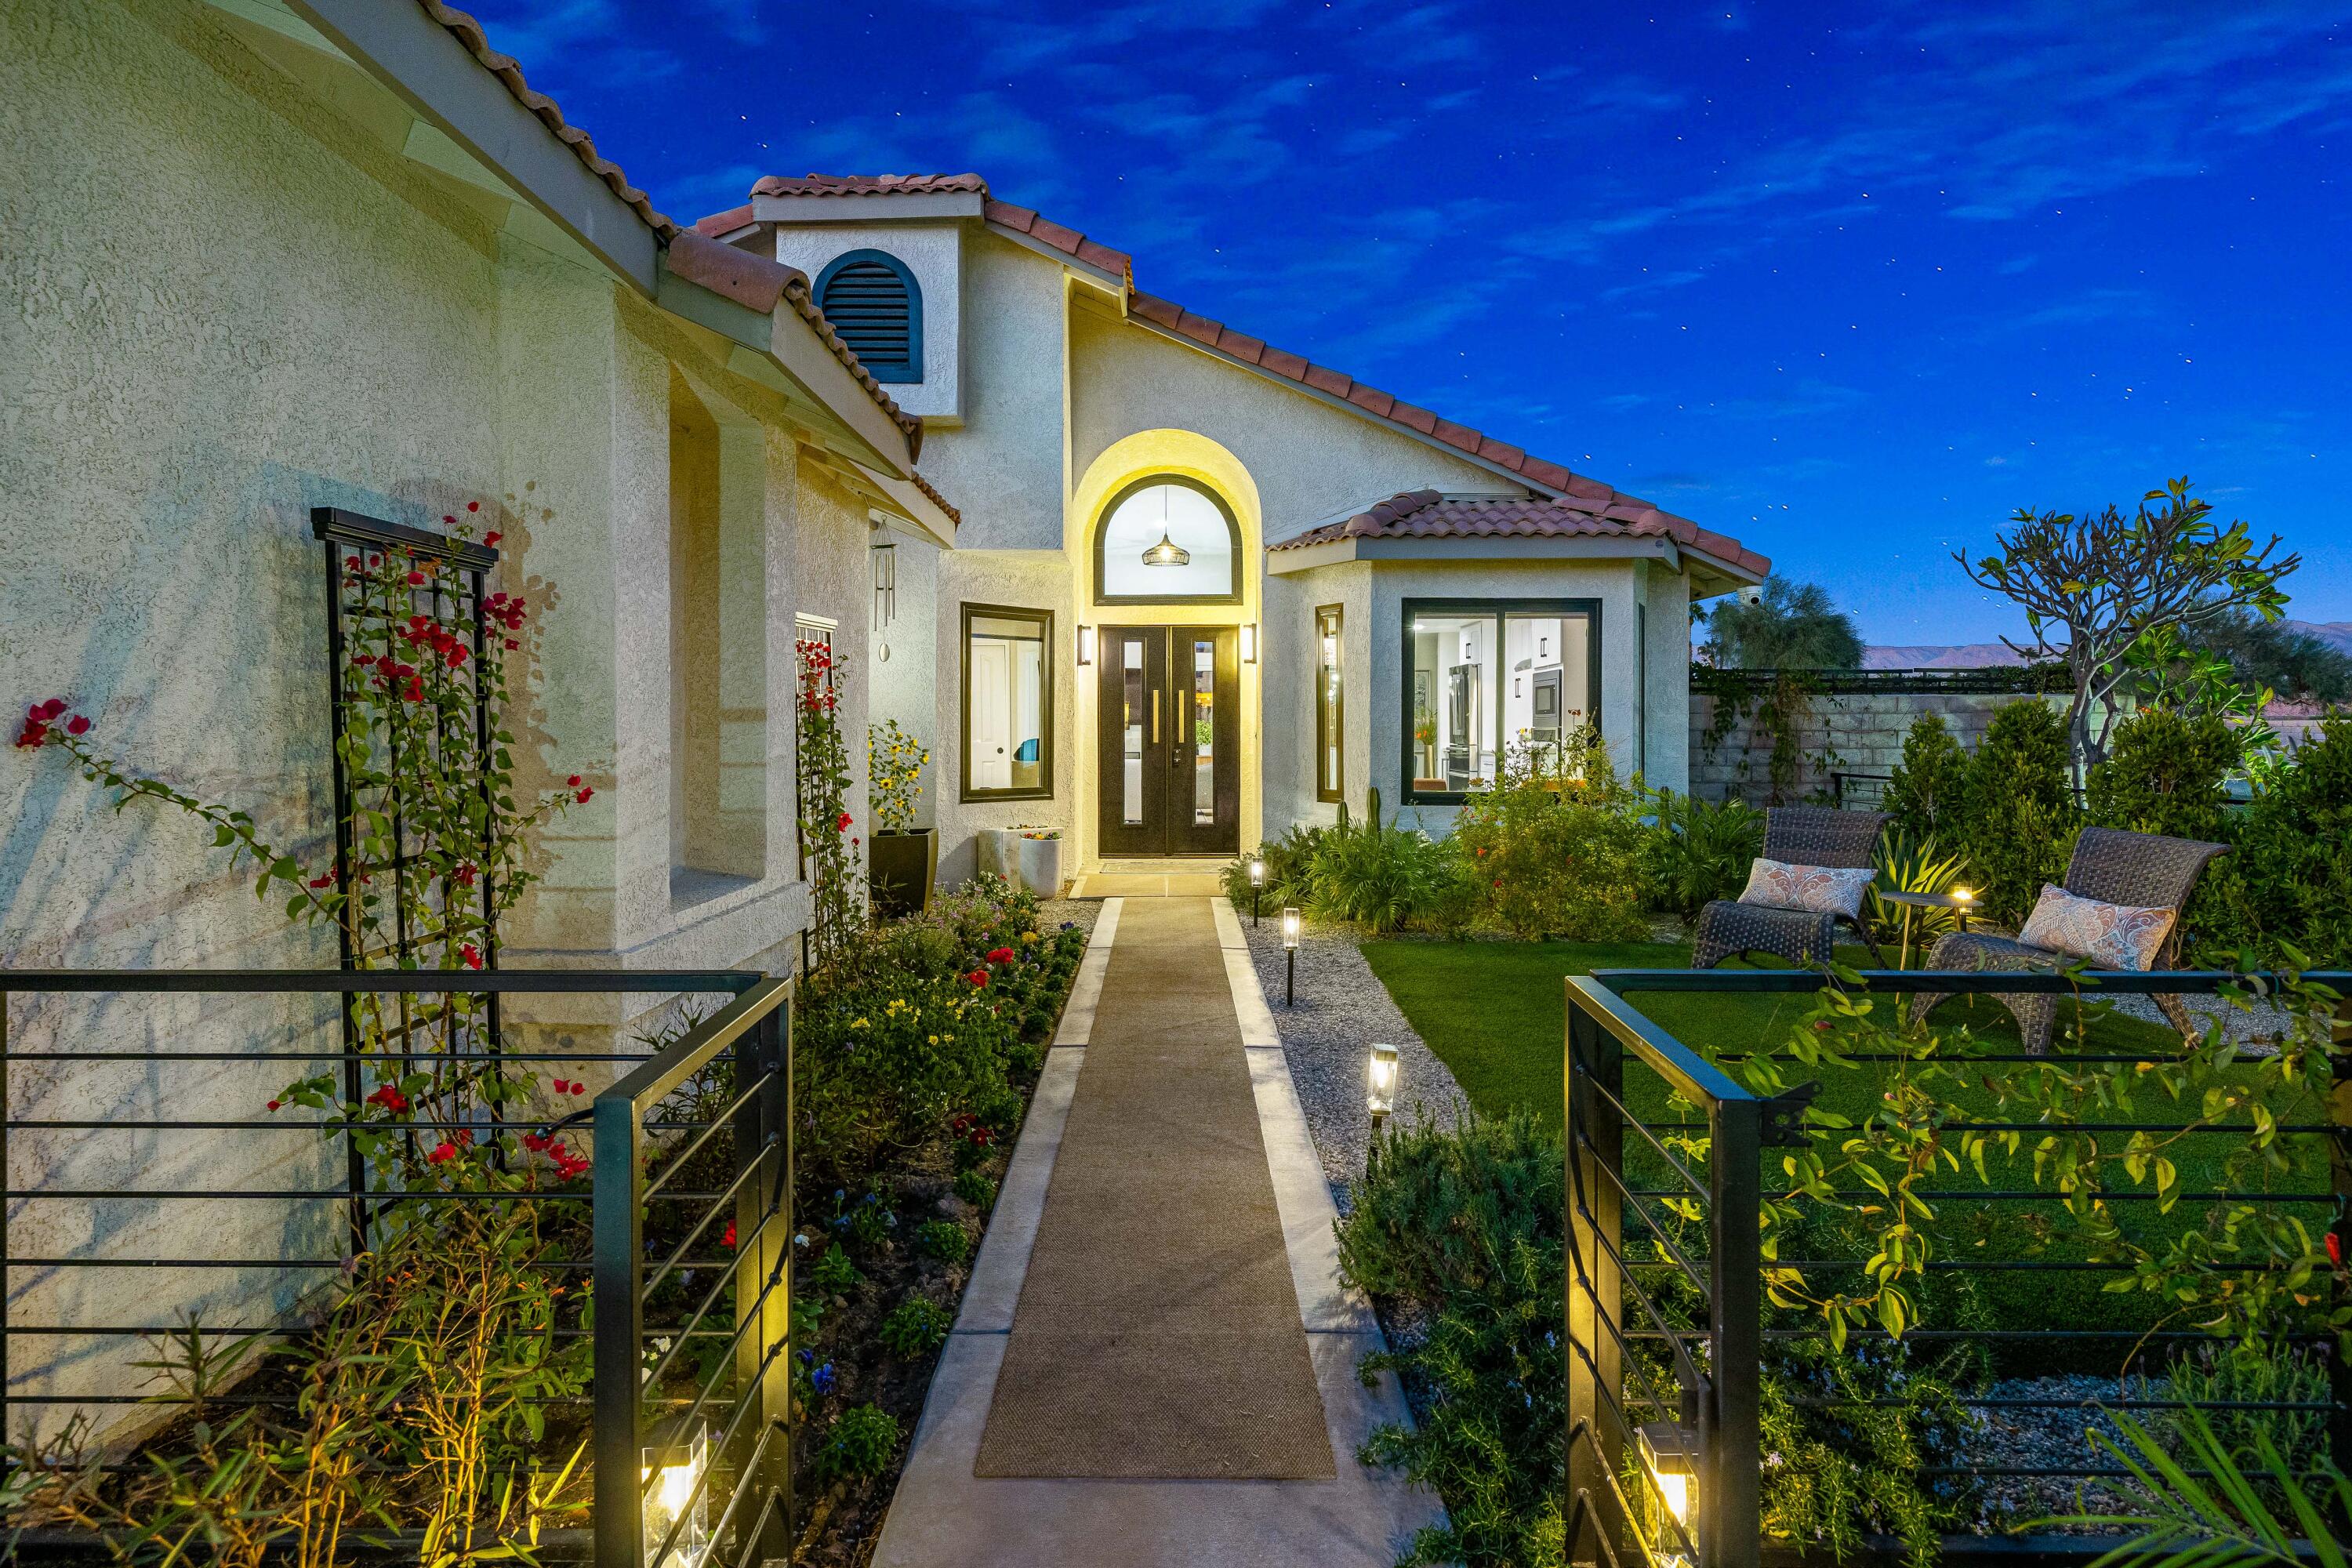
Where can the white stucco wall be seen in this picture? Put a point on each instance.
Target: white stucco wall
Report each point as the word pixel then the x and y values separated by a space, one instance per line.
pixel 906 686
pixel 290 314
pixel 1005 468
pixel 1019 579
pixel 933 253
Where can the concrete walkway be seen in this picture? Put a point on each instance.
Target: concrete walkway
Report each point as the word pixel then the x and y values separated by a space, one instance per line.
pixel 944 1516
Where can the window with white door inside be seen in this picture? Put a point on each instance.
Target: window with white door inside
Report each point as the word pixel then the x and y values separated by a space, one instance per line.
pixel 1008 703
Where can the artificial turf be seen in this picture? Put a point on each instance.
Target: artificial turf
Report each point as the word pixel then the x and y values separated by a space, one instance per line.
pixel 1494 1012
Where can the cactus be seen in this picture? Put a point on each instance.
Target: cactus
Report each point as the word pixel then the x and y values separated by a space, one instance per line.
pixel 1372 807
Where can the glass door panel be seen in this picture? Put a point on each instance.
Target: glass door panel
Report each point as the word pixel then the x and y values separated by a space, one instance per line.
pixel 1132 742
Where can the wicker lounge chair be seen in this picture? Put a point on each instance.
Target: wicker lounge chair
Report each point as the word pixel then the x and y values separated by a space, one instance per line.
pixel 1798 835
pixel 2146 871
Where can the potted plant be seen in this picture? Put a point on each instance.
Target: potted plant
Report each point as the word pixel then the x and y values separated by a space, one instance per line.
pixel 903 859
pixel 1026 853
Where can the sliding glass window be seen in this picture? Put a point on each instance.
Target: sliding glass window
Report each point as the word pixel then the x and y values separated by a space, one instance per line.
pixel 1330 727
pixel 1488 677
pixel 1008 703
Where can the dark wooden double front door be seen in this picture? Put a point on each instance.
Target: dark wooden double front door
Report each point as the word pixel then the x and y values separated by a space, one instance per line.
pixel 1167 733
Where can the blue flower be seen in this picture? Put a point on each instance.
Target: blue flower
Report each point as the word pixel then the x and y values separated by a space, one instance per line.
pixel 822 1379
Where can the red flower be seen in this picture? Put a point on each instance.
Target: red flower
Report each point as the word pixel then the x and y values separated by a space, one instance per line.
pixel 449 518
pixel 1000 955
pixel 842 826
pixel 573 783
pixel 512 643
pixel 442 1153
pixel 473 506
pixel 389 1098
pixel 353 563
pixel 492 537
pixel 534 1142
pixel 52 708
pixel 582 796
pixel 2335 1249
pixel 275 1104
pixel 978 977
pixel 466 874
pixel 77 725
pixel 325 880
pixel 471 954
pixel 727 1238
pixel 1822 1024
pixel 416 579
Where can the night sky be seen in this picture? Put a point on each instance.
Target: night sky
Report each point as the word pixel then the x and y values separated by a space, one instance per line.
pixel 1851 283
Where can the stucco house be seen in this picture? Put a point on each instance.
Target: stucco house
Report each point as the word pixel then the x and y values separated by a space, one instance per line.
pixel 1204 589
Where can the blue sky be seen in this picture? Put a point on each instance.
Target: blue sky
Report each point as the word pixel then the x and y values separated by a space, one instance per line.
pixel 1851 283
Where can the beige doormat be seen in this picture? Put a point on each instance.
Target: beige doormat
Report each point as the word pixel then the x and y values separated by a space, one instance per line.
pixel 1157 1334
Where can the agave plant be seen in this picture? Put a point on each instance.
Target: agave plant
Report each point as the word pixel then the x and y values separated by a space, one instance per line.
pixel 1905 868
pixel 2225 1517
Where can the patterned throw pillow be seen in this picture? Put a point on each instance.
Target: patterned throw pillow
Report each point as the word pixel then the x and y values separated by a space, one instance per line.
pixel 1816 889
pixel 2112 936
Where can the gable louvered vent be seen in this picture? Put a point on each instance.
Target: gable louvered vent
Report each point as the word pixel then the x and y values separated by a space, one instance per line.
pixel 872 302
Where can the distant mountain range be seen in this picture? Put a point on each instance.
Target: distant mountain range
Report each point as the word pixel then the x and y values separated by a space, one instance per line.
pixel 1980 655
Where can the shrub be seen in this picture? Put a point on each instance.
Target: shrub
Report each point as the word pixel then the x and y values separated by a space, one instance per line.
pixel 916 1326
pixel 2021 819
pixel 1289 867
pixel 833 1272
pixel 1378 875
pixel 2167 772
pixel 2220 1378
pixel 2294 876
pixel 1929 792
pixel 861 1441
pixel 1698 852
pixel 1559 843
pixel 976 1188
pixel 944 1240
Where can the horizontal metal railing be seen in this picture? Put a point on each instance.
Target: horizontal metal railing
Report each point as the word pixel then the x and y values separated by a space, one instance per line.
pixel 1716 1352
pixel 750 1036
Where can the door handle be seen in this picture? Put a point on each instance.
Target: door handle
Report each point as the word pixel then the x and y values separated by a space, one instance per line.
pixel 1155 718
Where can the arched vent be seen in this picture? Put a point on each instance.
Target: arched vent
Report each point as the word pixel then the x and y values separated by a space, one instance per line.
pixel 872 302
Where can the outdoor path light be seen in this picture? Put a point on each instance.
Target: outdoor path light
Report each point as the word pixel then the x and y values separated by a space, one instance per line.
pixel 1669 1453
pixel 1290 957
pixel 676 1500
pixel 1380 1083
pixel 1258 884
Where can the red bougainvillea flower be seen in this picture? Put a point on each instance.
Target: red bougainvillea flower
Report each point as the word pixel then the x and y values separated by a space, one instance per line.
pixel 573 783
pixel 276 1104
pixel 325 880
pixel 389 1098
pixel 442 1153
pixel 53 707
pixel 512 644
pixel 416 579
pixel 978 977
pixel 1000 955
pixel 473 506
pixel 842 825
pixel 534 1142
pixel 584 794
pixel 466 874
pixel 471 954
pixel 2335 1249
pixel 77 725
pixel 492 537
pixel 727 1237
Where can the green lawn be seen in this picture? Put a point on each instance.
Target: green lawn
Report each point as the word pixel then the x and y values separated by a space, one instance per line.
pixel 1496 1014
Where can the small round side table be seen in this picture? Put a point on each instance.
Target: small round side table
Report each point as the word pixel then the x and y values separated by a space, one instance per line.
pixel 1911 901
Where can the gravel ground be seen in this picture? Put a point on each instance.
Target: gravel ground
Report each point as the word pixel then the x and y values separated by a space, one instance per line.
pixel 2050 1436
pixel 1341 1010
pixel 1080 913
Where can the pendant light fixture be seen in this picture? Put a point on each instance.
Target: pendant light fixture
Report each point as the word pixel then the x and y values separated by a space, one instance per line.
pixel 1166 553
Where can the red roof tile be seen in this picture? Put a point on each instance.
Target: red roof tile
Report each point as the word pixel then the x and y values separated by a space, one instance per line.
pixel 727 222
pixel 1602 508
pixel 468 32
pixel 1426 514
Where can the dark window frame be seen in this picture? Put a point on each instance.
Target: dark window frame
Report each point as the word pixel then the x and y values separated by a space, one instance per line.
pixel 1233 531
pixel 1327 744
pixel 1499 609
pixel 1044 790
pixel 909 373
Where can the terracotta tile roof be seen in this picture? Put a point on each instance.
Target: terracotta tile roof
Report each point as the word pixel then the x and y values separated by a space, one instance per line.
pixel 1601 509
pixel 745 286
pixel 727 222
pixel 1426 514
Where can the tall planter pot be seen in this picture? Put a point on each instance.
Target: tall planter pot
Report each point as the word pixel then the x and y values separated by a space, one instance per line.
pixel 903 864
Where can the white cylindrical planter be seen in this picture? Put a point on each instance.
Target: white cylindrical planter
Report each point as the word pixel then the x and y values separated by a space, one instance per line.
pixel 1034 863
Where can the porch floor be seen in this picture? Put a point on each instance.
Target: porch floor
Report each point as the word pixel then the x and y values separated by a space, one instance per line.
pixel 1170 877
pixel 1155 1361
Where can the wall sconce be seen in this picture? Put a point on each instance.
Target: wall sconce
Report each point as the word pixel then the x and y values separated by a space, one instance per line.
pixel 677 1501
pixel 1085 645
pixel 1669 1454
pixel 1380 1077
pixel 1249 642
pixel 1258 884
pixel 1290 957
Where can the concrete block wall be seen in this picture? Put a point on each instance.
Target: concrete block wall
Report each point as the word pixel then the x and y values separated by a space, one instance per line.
pixel 1857 732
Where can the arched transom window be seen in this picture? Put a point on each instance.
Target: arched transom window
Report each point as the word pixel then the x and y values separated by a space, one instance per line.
pixel 1168 540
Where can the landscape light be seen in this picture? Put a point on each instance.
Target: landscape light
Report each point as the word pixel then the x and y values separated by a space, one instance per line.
pixel 675 1499
pixel 1258 884
pixel 1290 928
pixel 1290 958
pixel 1670 1455
pixel 1380 1083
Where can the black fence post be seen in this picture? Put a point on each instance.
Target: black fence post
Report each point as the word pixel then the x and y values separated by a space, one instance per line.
pixel 1593 1288
pixel 2339 1171
pixel 617 1252
pixel 1732 1457
pixel 763 1371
